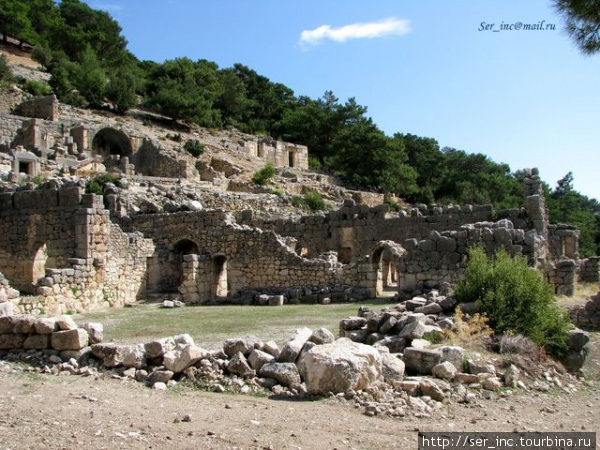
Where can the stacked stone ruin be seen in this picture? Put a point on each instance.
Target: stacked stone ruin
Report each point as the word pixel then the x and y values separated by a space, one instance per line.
pixel 74 251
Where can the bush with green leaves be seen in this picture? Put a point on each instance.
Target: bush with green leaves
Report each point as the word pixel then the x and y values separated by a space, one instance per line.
pixel 96 185
pixel 37 88
pixel 312 201
pixel 515 298
pixel 194 147
pixel 264 175
pixel 5 71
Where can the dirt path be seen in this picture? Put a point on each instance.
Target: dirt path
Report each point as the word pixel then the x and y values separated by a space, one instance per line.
pixel 56 412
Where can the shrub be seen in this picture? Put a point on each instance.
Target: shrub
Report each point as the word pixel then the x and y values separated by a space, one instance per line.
pixel 315 202
pixel 393 204
pixel 43 55
pixel 311 201
pixel 96 185
pixel 194 147
pixel 5 72
pixel 174 137
pixel 515 297
pixel 37 88
pixel 278 192
pixel 262 176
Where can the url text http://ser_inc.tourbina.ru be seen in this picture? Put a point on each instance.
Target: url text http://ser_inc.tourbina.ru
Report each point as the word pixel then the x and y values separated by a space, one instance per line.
pixel 507 441
pixel 496 27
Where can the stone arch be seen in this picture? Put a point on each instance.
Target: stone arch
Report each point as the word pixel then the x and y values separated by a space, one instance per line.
pixel 180 249
pixel 110 142
pixel 384 262
pixel 38 263
pixel 219 282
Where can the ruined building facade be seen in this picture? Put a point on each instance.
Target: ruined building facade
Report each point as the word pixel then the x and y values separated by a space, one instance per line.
pixel 66 250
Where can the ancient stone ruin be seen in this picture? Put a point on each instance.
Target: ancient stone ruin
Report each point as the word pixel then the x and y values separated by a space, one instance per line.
pixel 195 227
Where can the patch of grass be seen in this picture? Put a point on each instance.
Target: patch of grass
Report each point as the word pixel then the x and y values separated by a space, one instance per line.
pixel 211 325
pixel 264 175
pixel 471 333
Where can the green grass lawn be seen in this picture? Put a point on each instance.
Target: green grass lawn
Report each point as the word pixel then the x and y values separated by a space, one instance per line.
pixel 211 325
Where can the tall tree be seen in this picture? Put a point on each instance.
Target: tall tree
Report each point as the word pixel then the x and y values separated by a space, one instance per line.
pixel 582 18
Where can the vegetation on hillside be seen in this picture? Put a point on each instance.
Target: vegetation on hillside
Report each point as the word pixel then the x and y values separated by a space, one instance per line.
pixel 85 53
pixel 515 298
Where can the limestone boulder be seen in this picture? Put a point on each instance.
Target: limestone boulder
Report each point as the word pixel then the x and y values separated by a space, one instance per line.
pixel 393 367
pixel 245 345
pixel 157 348
pixel 179 359
pixel 111 355
pixel 291 350
pixel 271 348
pixel 340 366
pixel 10 341
pixel 70 339
pixel 258 358
pixel 445 370
pixel 238 365
pixel 322 336
pixel 430 388
pixel 66 323
pixel 95 332
pixel 46 325
pixel 421 361
pixel 7 309
pixel 134 356
pixel 285 374
pixel 414 330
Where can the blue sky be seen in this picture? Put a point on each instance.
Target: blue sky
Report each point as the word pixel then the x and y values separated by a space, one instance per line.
pixel 523 97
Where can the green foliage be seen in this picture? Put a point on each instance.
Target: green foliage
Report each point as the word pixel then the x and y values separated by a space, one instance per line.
pixel 278 192
pixel 174 137
pixel 5 72
pixel 42 55
pixel 311 201
pixel 37 88
pixel 582 19
pixel 194 147
pixel 515 298
pixel 392 203
pixel 96 185
pixel 566 205
pixel 264 175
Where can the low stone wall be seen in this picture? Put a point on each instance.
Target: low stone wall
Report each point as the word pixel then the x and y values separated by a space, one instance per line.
pixel 9 298
pixel 40 108
pixel 589 270
pixel 440 258
pixel 587 316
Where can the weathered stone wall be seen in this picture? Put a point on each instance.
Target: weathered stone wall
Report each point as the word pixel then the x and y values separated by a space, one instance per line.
pixel 354 230
pixel 588 315
pixel 234 258
pixel 9 128
pixel 61 245
pixel 40 107
pixel 441 257
pixel 152 159
pixel 589 270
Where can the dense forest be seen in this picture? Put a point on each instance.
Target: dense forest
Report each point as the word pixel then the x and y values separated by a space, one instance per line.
pixel 87 56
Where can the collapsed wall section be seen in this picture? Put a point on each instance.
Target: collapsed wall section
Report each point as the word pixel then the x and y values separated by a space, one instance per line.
pixel 59 245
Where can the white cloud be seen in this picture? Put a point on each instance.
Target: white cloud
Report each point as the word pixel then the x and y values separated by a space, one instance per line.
pixel 368 30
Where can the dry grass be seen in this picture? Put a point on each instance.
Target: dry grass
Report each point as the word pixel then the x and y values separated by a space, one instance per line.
pixel 211 325
pixel 473 333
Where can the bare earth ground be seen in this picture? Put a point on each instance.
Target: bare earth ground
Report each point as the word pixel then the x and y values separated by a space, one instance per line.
pixel 52 412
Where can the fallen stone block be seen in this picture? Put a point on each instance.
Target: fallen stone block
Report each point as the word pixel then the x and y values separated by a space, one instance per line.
pixel 421 361
pixel 291 350
pixel 285 374
pixel 46 325
pixel 70 339
pixel 340 366
pixel 37 342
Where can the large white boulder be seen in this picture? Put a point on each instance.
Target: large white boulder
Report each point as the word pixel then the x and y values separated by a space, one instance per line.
pixel 340 366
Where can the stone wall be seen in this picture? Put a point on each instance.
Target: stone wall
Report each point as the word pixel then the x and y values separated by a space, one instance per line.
pixel 9 128
pixel 588 315
pixel 60 245
pixel 589 270
pixel 440 258
pixel 354 230
pixel 229 258
pixel 40 107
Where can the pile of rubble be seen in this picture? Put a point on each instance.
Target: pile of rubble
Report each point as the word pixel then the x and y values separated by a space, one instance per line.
pixel 313 363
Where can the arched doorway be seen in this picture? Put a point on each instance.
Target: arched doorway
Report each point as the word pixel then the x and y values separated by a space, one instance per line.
pixel 220 286
pixel 180 249
pixel 384 261
pixel 110 143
